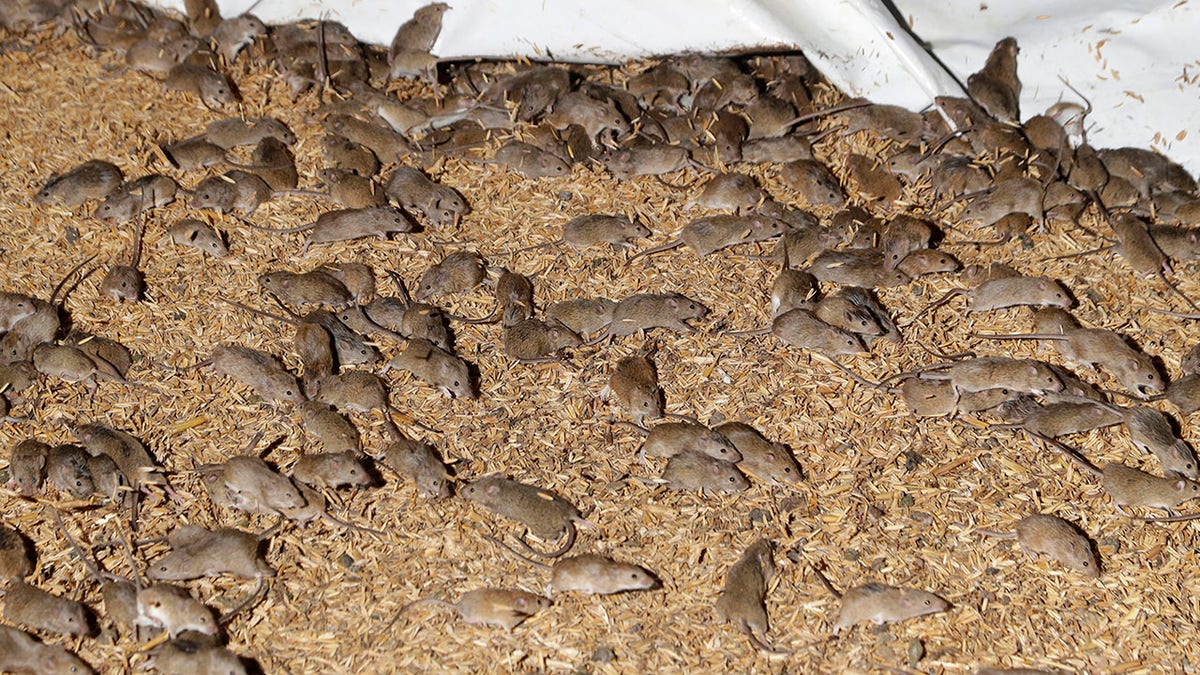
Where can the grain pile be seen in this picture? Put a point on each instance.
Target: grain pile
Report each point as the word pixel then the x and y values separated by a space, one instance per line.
pixel 886 496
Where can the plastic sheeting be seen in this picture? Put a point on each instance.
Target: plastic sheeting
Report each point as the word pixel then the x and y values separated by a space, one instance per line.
pixel 1134 60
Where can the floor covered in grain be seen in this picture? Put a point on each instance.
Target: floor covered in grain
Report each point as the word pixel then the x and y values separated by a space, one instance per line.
pixel 886 496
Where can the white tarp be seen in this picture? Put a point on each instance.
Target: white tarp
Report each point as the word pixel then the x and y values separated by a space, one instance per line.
pixel 1135 60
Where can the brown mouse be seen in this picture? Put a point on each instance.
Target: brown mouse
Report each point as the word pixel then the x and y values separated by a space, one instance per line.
pixel 403 316
pixel 843 313
pixel 647 159
pixel 591 574
pixel 490 606
pixel 67 470
pixel 231 132
pixel 712 233
pixel 349 224
pixel 126 282
pixel 1055 538
pixel 314 346
pixel 996 87
pixel 137 197
pixel 1151 431
pixel 643 311
pixel 194 153
pixel 350 190
pixel 996 372
pixel 130 455
pixel 535 341
pixel 792 289
pixel 672 438
pixel 331 469
pixel 194 654
pixel 1015 195
pixel 300 289
pixel 260 371
pixel 437 366
pixel 460 271
pixel 1010 291
pixel 173 609
pixel 765 461
pixel 272 161
pixel 862 268
pixel 27 467
pixel 200 236
pixel 634 385
pixel 815 183
pixel 529 161
pixel 881 603
pixel 20 652
pixel 197 552
pixel 736 192
pixel 334 432
pixel 235 191
pixel 94 179
pixel 420 463
pixel 1063 418
pixel 255 487
pixel 211 87
pixel 31 606
pixel 597 229
pixel 800 328
pixel 585 316
pixel 547 515
pixel 15 562
pixel 743 600
pixel 441 205
pixel 692 470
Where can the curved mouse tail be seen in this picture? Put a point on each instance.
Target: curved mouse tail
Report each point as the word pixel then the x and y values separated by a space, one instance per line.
pixel 559 552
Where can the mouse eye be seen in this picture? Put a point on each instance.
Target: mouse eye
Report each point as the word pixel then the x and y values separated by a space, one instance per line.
pixel 162 568
pixel 928 602
pixel 732 479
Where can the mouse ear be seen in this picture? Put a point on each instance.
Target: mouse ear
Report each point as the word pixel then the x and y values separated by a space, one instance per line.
pixel 1043 285
pixel 673 302
pixel 1180 484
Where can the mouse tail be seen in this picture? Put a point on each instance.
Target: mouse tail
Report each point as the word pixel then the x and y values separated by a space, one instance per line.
pixel 557 553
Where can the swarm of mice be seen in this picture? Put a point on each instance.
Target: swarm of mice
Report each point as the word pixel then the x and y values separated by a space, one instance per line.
pixel 690 113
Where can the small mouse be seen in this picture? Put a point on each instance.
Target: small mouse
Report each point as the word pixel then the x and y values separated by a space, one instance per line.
pixel 1015 195
pixel 200 236
pixel 137 197
pixel 597 229
pixel 547 515
pixel 634 385
pixel 314 346
pixel 815 183
pixel 1184 393
pixel 692 470
pixel 647 159
pixel 1069 417
pixel 792 289
pixel 528 160
pixel 881 603
pixel 15 562
pixel 27 467
pixel 126 282
pixel 260 371
pixel 403 316
pixel 712 233
pixel 346 155
pixel 801 329
pixel 420 463
pixel 315 508
pixel 996 87
pixel 173 609
pixel 20 653
pixel 735 192
pixel 197 552
pixel 1055 538
pixel 591 574
pixel 437 366
pixel 300 289
pixel 992 294
pixel 996 372
pixel 441 205
pixel 585 316
pixel 234 191
pixel 1150 431
pixel 255 487
pixel 188 655
pixel 765 461
pixel 643 311
pixel 332 470
pixel 194 153
pixel 350 190
pixel 672 438
pixel 334 432
pixel 67 470
pixel 490 606
pixel 31 606
pixel 535 341
pixel 210 86
pixel 743 600
pixel 349 224
pixel 231 132
pixel 842 313
pixel 457 272
pixel 94 179
pixel 136 463
pixel 862 268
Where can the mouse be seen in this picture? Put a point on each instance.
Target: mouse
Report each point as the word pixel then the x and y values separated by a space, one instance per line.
pixel 315 508
pixel 74 365
pixel 67 470
pixel 644 158
pixel 1010 291
pixel 441 205
pixel 928 261
pixel 997 372
pixel 130 455
pixel 872 179
pixel 199 235
pixel 417 34
pixel 696 471
pixel 173 609
pixel 335 433
pixel 255 487
pixel 742 603
pixel 331 470
pixel 880 603
pixel 15 562
pixel 350 190
pixel 420 463
pixel 350 224
pixel 301 289
pixel 1128 486
pixel 594 230
pixel 846 315
pixel 31 606
pixel 1150 431
pixel 27 467
pixel 231 132
pixel 1064 418
pixel 349 347
pixel 863 268
pixel 93 180
pixel 126 282
pixel 235 191
pixel 600 118
pixel 258 370
pixel 590 574
pixel 792 289
pixel 710 234
pixel 514 298
pixel 490 606
pixel 457 272
pixel 434 365
pixel 735 192
pixel 544 513
pixel 402 316
pixel 1015 195
pixel 193 653
pixel 584 316
pixel 672 438
pixel 996 87
pixel 136 197
pixel 644 311
pixel 272 161
pixel 314 346
pixel 634 386
pixel 1055 538
pixel 1184 394
pixel 536 341
pixel 213 89
pixel 813 182
pixel 234 34
pixel 197 552
pixel 387 145
pixel 768 462
pixel 1007 228
pixel 800 328
pixel 20 652
pixel 1137 248
pixel 194 153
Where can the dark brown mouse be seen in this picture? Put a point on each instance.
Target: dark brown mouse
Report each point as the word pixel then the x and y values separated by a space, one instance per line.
pixel 15 562
pixel 996 87
pixel 314 346
pixel 1055 538
pixel 490 606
